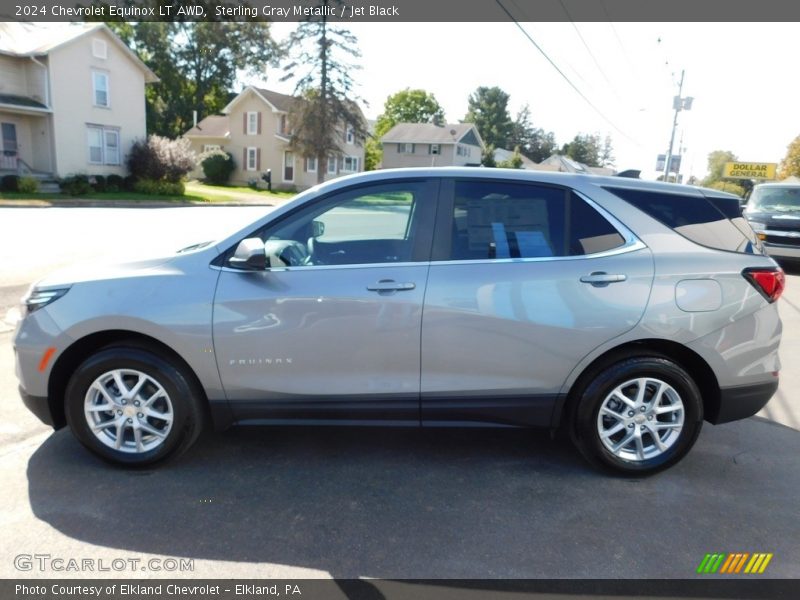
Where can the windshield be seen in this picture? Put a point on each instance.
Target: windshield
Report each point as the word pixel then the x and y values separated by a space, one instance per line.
pixel 780 199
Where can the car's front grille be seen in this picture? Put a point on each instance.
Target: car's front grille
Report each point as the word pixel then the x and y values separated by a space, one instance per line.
pixel 783 238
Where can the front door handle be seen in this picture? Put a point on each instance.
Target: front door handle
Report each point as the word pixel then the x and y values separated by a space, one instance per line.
pixel 390 285
pixel 602 279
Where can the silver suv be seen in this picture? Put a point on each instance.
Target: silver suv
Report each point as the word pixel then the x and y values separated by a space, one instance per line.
pixel 624 312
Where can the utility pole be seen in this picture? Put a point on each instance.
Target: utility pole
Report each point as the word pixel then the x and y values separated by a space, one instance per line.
pixel 678 103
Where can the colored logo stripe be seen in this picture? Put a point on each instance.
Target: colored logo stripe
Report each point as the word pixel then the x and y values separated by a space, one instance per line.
pixel 734 562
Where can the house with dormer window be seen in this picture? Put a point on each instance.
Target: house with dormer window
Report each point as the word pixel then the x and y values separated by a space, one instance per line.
pixel 255 128
pixel 72 99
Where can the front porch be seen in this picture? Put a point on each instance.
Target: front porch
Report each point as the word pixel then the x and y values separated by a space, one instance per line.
pixel 26 147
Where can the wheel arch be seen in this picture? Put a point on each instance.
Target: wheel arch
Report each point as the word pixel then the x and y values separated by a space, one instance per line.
pixel 697 367
pixel 81 349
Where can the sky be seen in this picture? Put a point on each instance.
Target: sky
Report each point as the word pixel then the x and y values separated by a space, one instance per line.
pixel 742 77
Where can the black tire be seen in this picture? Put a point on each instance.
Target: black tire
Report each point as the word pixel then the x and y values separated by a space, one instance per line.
pixel 187 413
pixel 593 393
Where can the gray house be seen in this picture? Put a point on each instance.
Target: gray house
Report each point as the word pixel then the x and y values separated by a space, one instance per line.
pixel 429 145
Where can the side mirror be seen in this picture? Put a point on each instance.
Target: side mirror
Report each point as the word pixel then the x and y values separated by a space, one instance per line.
pixel 317 228
pixel 250 254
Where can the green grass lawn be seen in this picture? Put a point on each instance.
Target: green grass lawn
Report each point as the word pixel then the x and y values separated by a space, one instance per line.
pixel 205 189
pixel 195 192
pixel 109 196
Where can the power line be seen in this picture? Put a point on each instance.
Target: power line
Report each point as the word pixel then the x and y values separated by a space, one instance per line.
pixel 589 50
pixel 567 79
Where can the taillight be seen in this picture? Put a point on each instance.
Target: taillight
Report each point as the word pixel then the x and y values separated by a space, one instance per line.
pixel 769 282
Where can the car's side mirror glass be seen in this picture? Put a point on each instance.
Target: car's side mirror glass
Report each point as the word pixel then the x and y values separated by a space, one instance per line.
pixel 250 254
pixel 317 228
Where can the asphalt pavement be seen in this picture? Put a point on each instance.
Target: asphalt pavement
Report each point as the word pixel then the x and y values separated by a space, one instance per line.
pixel 389 503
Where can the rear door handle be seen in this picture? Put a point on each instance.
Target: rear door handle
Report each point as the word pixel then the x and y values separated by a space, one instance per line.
pixel 602 279
pixel 389 285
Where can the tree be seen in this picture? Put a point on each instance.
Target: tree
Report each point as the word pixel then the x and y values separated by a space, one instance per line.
pixel 409 106
pixel 790 165
pixel 514 162
pixel 197 63
pixel 607 153
pixel 325 54
pixel 487 158
pixel 405 106
pixel 533 142
pixel 729 186
pixel 584 148
pixel 716 165
pixel 488 110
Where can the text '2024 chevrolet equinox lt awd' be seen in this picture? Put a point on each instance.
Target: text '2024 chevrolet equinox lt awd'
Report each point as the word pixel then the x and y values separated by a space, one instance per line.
pixel 623 311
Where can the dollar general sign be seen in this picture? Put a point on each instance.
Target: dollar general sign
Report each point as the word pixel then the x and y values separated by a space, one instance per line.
pixel 738 170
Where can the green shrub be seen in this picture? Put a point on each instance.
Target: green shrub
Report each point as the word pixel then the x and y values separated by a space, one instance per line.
pixel 76 185
pixel 728 186
pixel 159 188
pixel 115 183
pixel 217 166
pixel 159 158
pixel 99 183
pixel 28 185
pixel 9 183
pixel 128 183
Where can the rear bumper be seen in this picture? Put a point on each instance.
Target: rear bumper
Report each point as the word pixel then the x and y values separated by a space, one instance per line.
pixel 38 405
pixel 742 401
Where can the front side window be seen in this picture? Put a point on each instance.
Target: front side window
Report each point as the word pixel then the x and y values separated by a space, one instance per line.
pixel 288 166
pixel 350 164
pixel 95 135
pixel 252 123
pixel 103 145
pixel 374 224
pixel 100 88
pixel 252 159
pixel 111 146
pixel 501 220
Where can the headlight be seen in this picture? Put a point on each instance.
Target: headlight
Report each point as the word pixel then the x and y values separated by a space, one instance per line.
pixel 36 299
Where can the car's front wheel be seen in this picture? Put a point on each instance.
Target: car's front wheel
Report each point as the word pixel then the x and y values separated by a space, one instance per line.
pixel 638 416
pixel 132 406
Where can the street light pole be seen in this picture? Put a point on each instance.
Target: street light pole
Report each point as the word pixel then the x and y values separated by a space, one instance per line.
pixel 678 104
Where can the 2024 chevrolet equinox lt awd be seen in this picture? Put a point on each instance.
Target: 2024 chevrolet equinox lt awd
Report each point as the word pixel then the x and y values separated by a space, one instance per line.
pixel 623 311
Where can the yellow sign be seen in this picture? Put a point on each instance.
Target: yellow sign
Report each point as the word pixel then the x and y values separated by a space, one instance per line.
pixel 739 170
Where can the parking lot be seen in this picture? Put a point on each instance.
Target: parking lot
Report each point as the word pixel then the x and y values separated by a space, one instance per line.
pixel 302 502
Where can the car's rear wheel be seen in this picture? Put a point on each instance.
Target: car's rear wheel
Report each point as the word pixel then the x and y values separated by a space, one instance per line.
pixel 132 406
pixel 638 416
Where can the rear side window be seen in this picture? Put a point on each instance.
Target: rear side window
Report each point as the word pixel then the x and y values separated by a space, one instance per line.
pixel 499 220
pixel 694 217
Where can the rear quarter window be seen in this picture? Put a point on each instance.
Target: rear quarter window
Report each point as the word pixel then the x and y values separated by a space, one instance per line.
pixel 711 222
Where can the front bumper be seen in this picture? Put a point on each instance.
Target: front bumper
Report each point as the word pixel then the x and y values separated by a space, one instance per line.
pixel 782 251
pixel 742 401
pixel 39 406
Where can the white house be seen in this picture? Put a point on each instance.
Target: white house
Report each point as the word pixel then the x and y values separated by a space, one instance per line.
pixel 72 99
